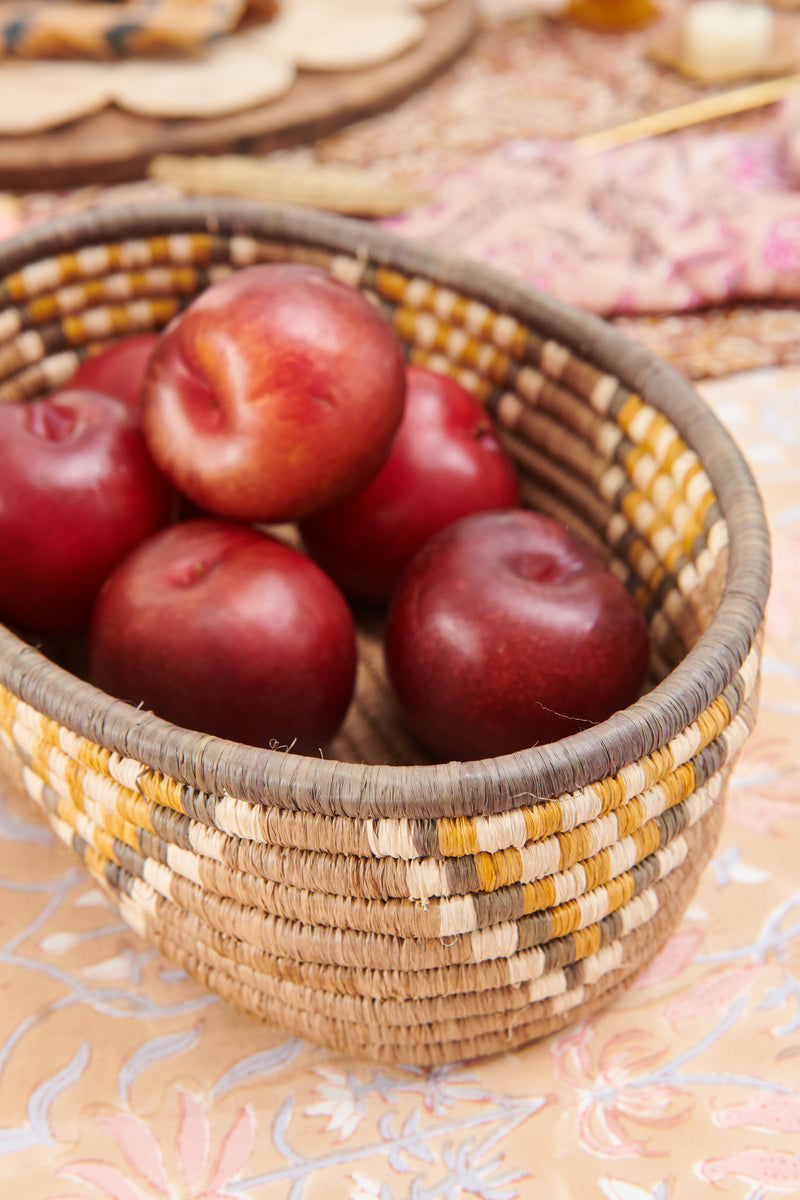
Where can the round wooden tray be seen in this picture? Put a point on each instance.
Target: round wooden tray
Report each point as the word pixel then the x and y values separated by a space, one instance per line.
pixel 113 145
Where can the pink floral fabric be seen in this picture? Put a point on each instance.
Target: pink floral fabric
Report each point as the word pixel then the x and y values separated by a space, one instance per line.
pixel 660 226
pixel 120 1079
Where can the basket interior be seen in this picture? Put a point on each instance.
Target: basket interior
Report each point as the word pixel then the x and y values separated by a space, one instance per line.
pixel 370 900
pixel 589 451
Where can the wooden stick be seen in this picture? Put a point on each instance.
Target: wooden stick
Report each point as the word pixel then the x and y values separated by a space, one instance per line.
pixel 341 189
pixel 709 108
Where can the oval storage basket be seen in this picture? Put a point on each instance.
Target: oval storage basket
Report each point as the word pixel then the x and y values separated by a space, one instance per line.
pixel 371 900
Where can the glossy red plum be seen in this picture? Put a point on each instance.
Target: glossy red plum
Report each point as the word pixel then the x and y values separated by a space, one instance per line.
pixel 507 631
pixel 78 490
pixel 118 370
pixel 446 462
pixel 274 395
pixel 222 629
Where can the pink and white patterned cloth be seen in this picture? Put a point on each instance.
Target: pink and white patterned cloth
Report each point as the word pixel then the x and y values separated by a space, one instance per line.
pixel 660 226
pixel 120 1079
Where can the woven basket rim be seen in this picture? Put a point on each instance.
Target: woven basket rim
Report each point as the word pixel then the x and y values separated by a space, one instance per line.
pixel 443 789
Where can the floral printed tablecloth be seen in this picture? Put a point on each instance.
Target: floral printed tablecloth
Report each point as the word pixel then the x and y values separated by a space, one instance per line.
pixel 120 1079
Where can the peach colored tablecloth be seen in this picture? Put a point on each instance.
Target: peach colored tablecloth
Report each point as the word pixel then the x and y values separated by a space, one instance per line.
pixel 122 1080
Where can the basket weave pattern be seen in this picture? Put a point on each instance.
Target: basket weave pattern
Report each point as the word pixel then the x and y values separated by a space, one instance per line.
pixel 412 911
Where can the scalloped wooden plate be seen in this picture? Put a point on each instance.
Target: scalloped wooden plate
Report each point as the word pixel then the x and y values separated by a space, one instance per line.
pixel 113 145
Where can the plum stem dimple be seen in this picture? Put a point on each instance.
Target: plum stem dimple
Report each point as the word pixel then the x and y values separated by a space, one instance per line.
pixel 187 574
pixel 49 422
pixel 542 568
pixel 203 398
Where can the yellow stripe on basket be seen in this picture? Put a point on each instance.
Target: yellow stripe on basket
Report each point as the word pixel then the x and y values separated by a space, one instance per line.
pixel 41 276
pixel 647 839
pixel 645 518
pixel 576 845
pixel 160 789
pixel 115 288
pixel 517 345
pixel 587 941
pixel 566 918
pixel 103 843
pixel 653 574
pixel 94 863
pixel 629 816
pixel 538 895
pixel 702 506
pixel 498 870
pixel 471 351
pixel 620 890
pixel 39 752
pixel 460 314
pixel 441 364
pixel 131 808
pixel 679 784
pixel 692 530
pixel 92 261
pixel 658 430
pixel 71 774
pixel 391 284
pixel 610 792
pixel 405 323
pixel 49 731
pixel 116 824
pixel 119 810
pixel 457 836
pixel 8 710
pixel 65 806
pixel 458 345
pixel 81 802
pixel 94 757
pixel 91 291
pixel 639 465
pixel 714 720
pixel 114 253
pixel 160 248
pixel 44 308
pixel 630 410
pixel 622 850
pixel 681 462
pixel 657 765
pixel 672 553
pixel 115 319
pixel 597 869
pixel 542 820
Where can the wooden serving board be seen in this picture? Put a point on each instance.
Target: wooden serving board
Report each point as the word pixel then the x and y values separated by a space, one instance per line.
pixel 113 145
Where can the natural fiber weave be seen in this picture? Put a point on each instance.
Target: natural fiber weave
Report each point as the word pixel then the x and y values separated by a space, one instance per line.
pixel 371 900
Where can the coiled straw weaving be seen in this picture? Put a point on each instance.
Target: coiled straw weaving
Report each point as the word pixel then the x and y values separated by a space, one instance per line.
pixel 371 900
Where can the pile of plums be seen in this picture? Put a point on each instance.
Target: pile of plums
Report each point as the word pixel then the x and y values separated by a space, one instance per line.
pixel 135 507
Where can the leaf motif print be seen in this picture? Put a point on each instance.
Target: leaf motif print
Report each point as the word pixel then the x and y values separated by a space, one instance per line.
pixel 106 1178
pixel 713 993
pixel 193 1138
pixel 235 1150
pixel 139 1147
pixel 773 1170
pixel 156 1050
pixel 676 955
pixel 772 1113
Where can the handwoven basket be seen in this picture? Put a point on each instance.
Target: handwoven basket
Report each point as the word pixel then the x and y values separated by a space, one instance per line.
pixel 411 911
